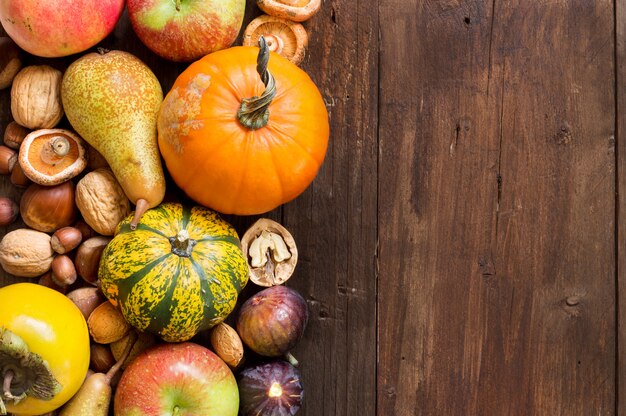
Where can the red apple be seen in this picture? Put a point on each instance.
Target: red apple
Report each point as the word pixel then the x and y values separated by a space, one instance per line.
pixel 177 379
pixel 53 28
pixel 185 30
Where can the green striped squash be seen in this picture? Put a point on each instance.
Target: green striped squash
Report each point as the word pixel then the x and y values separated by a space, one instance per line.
pixel 178 273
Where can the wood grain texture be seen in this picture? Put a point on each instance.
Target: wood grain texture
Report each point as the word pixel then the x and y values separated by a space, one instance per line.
pixel 496 208
pixel 334 221
pixel 620 150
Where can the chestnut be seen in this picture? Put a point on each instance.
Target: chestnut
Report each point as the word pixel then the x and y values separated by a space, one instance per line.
pixel 48 208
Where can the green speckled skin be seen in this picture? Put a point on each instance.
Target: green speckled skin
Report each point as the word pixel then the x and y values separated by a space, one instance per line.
pixel 170 295
pixel 112 100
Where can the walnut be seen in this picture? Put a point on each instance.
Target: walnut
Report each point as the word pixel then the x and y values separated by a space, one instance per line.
pixel 36 97
pixel 102 201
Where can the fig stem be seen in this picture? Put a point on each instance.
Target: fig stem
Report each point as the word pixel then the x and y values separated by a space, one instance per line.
pixel 292 360
pixel 140 208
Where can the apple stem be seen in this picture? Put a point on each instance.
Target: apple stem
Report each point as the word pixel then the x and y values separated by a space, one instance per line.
pixel 140 208
pixel 292 360
pixel 178 5
pixel 113 370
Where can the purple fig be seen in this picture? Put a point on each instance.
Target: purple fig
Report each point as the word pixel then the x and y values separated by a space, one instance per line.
pixel 272 322
pixel 270 389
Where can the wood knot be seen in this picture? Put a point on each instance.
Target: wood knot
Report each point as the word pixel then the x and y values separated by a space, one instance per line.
pixel 564 135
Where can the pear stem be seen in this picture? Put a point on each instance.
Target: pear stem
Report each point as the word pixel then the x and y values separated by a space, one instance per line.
pixel 140 208
pixel 113 370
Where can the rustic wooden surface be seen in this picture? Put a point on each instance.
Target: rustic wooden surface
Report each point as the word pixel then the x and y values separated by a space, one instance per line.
pixel 463 246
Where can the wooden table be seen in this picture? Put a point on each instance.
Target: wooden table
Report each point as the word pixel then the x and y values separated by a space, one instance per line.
pixel 462 248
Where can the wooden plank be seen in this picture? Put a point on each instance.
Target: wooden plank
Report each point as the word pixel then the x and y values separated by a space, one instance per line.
pixel 620 151
pixel 496 208
pixel 334 221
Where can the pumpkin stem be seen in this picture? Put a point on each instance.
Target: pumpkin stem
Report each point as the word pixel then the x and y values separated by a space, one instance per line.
pixel 254 111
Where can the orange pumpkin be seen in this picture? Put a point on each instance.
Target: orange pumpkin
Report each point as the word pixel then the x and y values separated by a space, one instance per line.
pixel 240 141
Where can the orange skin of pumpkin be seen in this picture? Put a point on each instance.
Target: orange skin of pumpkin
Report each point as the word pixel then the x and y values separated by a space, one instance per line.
pixel 226 166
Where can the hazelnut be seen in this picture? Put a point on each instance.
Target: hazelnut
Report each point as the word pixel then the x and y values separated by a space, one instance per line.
pixel 10 61
pixel 63 270
pixel 46 280
pixel 9 211
pixel 8 160
pixel 87 299
pixel 14 135
pixel 101 358
pixel 88 258
pixel 65 239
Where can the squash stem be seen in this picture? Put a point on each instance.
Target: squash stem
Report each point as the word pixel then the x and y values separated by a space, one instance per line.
pixel 254 111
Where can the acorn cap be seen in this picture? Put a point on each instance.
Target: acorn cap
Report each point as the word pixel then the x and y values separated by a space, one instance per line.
pixel 296 10
pixel 285 37
pixel 52 156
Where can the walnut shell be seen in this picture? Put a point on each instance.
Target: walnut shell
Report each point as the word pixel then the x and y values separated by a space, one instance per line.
pixel 102 201
pixel 26 253
pixel 36 97
pixel 106 324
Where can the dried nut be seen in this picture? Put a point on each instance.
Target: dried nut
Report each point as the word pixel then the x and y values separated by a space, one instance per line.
pixel 227 344
pixel 66 239
pixel 9 211
pixel 63 270
pixel 26 253
pixel 285 37
pixel 271 252
pixel 88 258
pixel 18 178
pixel 8 160
pixel 10 61
pixel 86 231
pixel 36 97
pixel 46 280
pixel 52 156
pixel 102 201
pixel 144 341
pixel 106 324
pixel 101 359
pixel 14 135
pixel 296 10
pixel 48 208
pixel 86 299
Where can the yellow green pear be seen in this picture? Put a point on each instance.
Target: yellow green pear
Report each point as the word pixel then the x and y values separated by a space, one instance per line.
pixel 112 99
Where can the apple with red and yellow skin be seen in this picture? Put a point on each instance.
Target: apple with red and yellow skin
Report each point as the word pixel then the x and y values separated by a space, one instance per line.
pixel 185 30
pixel 53 28
pixel 177 379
